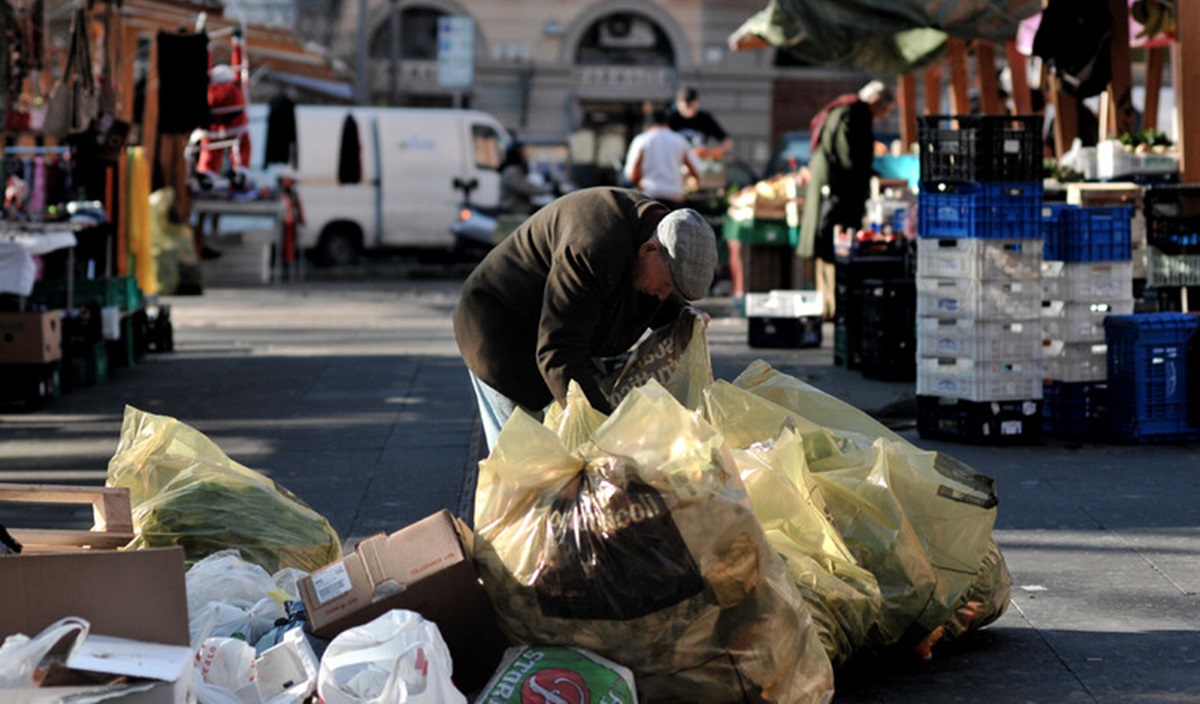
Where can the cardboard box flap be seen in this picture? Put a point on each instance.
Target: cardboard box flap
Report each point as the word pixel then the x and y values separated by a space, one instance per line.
pixel 135 594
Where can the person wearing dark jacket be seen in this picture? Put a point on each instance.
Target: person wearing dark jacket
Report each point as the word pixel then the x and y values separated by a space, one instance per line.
pixel 583 278
pixel 840 176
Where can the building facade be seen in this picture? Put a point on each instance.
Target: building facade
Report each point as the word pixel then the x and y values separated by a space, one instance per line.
pixel 583 72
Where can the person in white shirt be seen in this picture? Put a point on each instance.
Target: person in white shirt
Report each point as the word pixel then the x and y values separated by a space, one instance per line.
pixel 657 160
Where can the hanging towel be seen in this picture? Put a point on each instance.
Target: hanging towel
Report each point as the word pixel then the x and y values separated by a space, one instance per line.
pixel 281 132
pixel 350 163
pixel 182 82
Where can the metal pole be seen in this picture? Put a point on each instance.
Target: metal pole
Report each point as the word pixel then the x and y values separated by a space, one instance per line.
pixel 394 77
pixel 361 83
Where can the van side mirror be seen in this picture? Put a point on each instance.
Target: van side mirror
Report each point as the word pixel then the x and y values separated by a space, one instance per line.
pixel 466 187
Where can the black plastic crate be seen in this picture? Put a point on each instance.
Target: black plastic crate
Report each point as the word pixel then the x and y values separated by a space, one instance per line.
pixel 1075 410
pixel 888 334
pixel 784 332
pixel 1173 218
pixel 980 148
pixel 29 386
pixel 979 422
pixel 1148 376
pixel 847 346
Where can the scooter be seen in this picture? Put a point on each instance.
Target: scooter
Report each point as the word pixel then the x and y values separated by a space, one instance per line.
pixel 474 229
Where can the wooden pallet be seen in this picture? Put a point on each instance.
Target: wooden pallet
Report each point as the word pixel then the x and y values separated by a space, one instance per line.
pixel 112 524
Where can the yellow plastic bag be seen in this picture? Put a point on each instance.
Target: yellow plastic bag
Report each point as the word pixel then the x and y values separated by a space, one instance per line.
pixel 577 421
pixel 186 491
pixel 844 598
pixel 675 355
pixel 642 547
pixel 919 521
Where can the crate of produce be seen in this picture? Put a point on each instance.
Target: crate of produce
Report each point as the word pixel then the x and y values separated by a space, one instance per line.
pixel 979 339
pixel 980 210
pixel 1075 410
pixel 1088 194
pixel 1019 260
pixel 1017 422
pixel 784 303
pixel 1087 281
pixel 967 148
pixel 1074 234
pixel 1076 321
pixel 758 231
pixel 970 298
pixel 1075 361
pixel 980 380
pixel 1148 376
pixel 1171 269
pixel 1173 218
pixel 849 244
pixel 888 331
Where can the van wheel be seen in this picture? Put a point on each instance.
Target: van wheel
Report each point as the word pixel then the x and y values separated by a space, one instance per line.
pixel 339 246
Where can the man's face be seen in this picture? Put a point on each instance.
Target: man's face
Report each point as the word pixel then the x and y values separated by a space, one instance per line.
pixel 881 109
pixel 652 273
pixel 688 110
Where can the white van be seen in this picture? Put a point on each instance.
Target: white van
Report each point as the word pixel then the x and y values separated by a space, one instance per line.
pixel 408 161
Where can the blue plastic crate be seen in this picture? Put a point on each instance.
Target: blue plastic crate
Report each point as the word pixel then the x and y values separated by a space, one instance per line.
pixel 1095 234
pixel 980 210
pixel 1148 376
pixel 1074 410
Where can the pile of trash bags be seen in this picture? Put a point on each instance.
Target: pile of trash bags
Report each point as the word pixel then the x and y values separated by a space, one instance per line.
pixel 711 540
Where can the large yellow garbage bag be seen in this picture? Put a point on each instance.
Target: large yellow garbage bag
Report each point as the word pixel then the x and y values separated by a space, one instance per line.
pixel 920 521
pixel 186 491
pixel 642 547
pixel 844 598
pixel 577 421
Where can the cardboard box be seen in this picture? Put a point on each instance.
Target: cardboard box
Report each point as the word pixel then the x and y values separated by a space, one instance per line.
pixel 426 567
pixel 138 595
pixel 33 337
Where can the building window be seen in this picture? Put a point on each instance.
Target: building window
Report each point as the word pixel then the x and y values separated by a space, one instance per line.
pixel 625 38
pixel 418 35
pixel 489 147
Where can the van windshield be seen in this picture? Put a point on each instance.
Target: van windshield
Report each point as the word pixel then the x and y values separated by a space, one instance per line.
pixel 489 146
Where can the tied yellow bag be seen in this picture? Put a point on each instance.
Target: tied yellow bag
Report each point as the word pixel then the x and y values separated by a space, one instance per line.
pixel 185 491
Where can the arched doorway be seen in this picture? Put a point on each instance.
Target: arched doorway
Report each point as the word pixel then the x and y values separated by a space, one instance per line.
pixel 625 65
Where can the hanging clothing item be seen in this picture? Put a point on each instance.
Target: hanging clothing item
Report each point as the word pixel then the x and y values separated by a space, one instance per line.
pixel 281 132
pixel 1085 62
pixel 818 120
pixel 350 161
pixel 182 82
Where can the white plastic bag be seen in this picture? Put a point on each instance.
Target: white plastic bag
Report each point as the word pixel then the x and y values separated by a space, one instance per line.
pixel 399 658
pixel 231 597
pixel 21 657
pixel 225 664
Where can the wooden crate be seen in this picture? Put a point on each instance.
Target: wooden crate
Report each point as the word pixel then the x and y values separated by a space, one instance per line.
pixel 112 524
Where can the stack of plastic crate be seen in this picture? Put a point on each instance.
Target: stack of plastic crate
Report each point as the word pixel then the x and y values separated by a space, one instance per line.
pixel 1151 393
pixel 978 280
pixel 1173 244
pixel 1087 275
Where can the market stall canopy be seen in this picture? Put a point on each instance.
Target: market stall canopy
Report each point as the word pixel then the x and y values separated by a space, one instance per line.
pixel 275 54
pixel 888 36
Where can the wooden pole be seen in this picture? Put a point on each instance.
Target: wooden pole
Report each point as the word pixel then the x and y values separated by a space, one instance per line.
pixel 985 79
pixel 907 97
pixel 1120 89
pixel 1022 100
pixel 1066 114
pixel 933 89
pixel 1155 59
pixel 1185 59
pixel 956 56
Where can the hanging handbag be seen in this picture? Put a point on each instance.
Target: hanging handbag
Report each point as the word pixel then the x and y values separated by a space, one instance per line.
pixel 72 103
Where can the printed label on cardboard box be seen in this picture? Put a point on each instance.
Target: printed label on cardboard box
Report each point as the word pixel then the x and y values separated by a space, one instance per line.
pixel 331 582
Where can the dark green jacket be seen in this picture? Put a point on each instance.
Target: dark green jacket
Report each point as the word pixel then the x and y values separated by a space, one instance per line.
pixel 558 293
pixel 843 161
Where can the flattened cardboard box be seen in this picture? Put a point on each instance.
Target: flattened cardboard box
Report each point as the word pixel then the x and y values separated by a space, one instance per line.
pixel 426 567
pixel 136 594
pixel 30 337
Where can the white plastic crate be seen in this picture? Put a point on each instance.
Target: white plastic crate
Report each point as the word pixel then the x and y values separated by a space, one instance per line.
pixel 969 258
pixel 1171 269
pixel 1087 281
pixel 979 339
pixel 971 380
pixel 1072 321
pixel 1075 361
pixel 971 298
pixel 782 303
